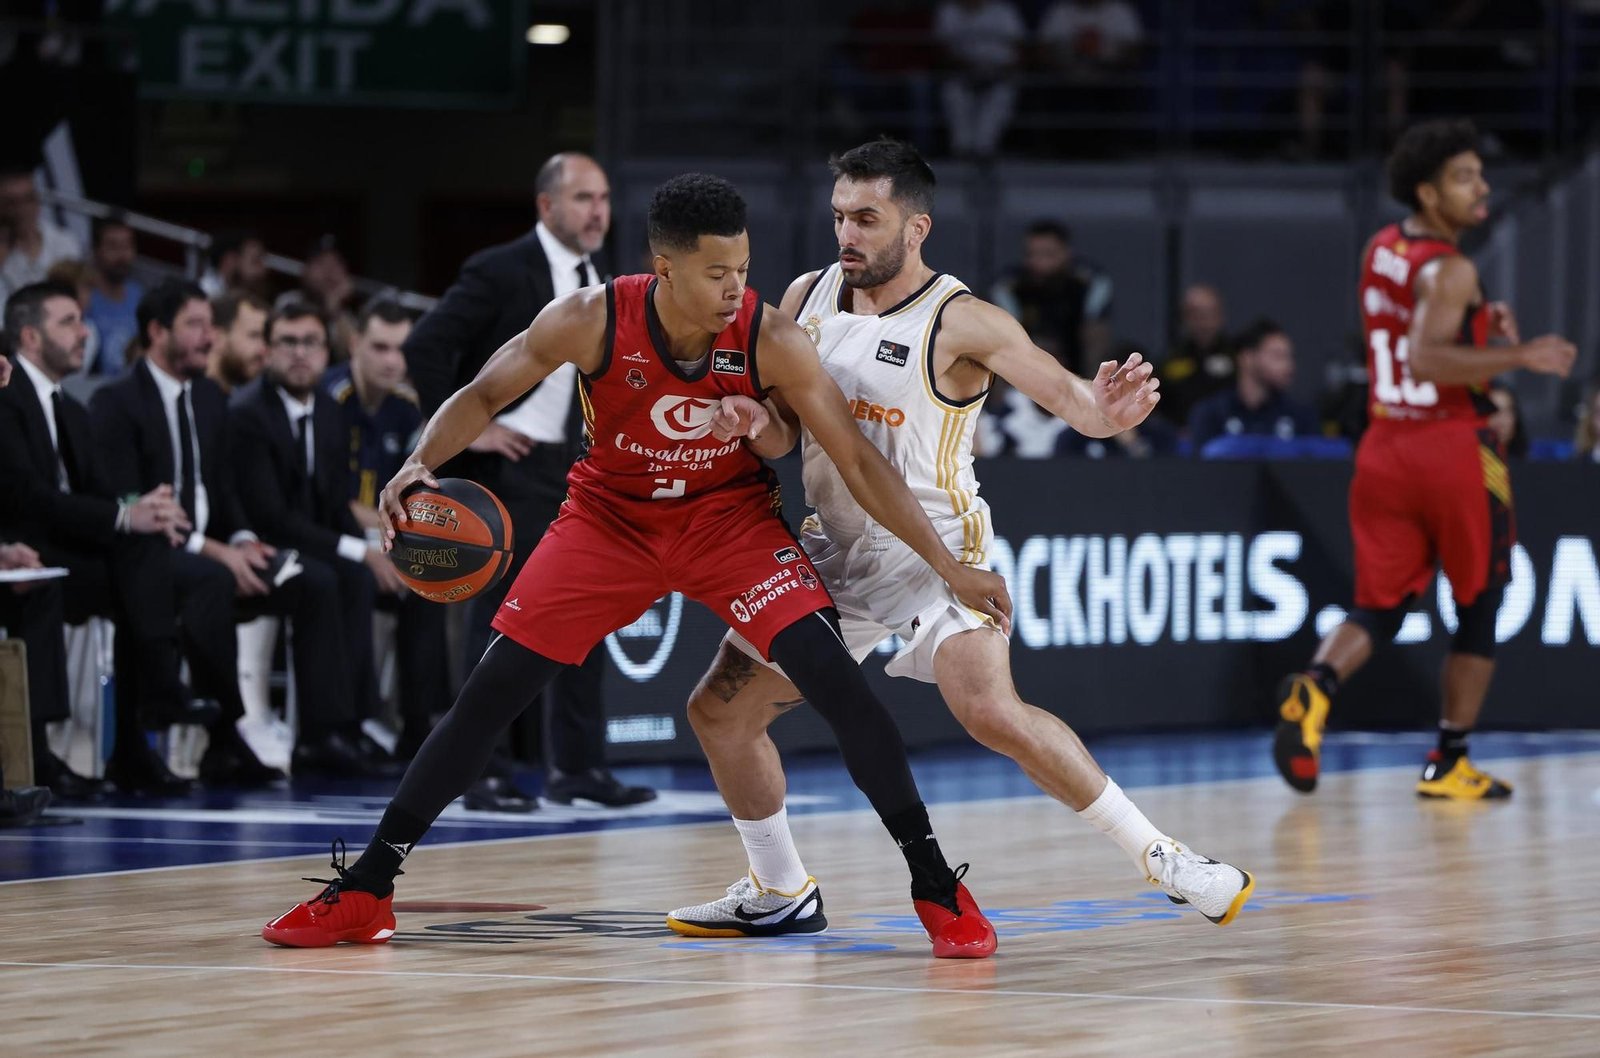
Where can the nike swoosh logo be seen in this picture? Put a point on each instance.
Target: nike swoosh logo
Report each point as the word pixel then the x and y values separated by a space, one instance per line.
pixel 755 916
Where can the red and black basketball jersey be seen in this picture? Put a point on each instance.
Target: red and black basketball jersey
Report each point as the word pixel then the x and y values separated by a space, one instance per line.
pixel 649 417
pixel 1388 301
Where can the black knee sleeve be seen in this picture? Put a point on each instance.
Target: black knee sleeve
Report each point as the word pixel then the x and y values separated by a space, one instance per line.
pixel 1475 624
pixel 814 657
pixel 1381 625
pixel 505 682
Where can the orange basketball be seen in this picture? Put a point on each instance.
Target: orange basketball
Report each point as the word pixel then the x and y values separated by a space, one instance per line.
pixel 456 543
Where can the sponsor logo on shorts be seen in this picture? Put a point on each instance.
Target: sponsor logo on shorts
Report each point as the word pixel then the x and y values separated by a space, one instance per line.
pixel 753 601
pixel 512 604
pixel 636 379
pixel 808 578
pixel 728 361
pixel 893 353
pixel 787 555
pixel 867 411
pixel 740 611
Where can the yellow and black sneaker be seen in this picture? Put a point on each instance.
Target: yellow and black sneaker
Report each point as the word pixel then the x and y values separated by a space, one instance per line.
pixel 1460 781
pixel 1297 743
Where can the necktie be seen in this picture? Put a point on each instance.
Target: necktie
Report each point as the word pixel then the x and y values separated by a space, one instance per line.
pixel 186 467
pixel 583 274
pixel 303 432
pixel 68 469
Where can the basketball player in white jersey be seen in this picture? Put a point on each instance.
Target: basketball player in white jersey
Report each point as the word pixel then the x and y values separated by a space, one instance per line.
pixel 914 352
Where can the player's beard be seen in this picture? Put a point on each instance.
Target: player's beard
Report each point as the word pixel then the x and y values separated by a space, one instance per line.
pixel 875 273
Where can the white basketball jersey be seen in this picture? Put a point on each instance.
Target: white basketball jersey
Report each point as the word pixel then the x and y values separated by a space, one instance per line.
pixel 884 365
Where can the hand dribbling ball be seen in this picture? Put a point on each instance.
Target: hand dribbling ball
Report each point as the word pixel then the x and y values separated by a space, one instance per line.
pixel 455 543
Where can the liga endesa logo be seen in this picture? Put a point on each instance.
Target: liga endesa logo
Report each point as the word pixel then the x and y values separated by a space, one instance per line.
pixel 683 418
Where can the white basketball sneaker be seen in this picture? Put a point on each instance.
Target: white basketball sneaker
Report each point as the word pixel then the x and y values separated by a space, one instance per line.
pixel 1216 890
pixel 751 911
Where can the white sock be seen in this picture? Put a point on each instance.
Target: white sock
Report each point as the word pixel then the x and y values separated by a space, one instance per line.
pixel 1120 820
pixel 770 846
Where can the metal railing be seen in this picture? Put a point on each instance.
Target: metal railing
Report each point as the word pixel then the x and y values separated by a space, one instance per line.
pixel 196 245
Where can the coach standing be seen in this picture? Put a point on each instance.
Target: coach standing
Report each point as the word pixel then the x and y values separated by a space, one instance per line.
pixel 524 454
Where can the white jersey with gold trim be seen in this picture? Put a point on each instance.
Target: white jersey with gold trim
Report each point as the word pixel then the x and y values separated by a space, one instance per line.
pixel 884 365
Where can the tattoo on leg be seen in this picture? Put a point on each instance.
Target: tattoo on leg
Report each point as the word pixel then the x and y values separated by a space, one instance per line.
pixel 784 707
pixel 733 672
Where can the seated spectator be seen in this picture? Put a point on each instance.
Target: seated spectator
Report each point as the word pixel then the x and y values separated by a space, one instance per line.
pixel 982 41
pixel 35 242
pixel 238 339
pixel 54 497
pixel 1586 442
pixel 292 458
pixel 325 284
pixel 1259 403
pixel 1201 363
pixel 381 419
pixel 113 296
pixel 1063 304
pixel 164 421
pixel 238 262
pixel 33 613
pixel 79 277
pixel 1506 419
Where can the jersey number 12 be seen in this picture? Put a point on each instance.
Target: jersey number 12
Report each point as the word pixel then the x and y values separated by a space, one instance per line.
pixel 1387 363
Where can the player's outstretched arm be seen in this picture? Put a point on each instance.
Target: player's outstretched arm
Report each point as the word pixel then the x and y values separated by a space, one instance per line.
pixel 789 364
pixel 1119 397
pixel 1446 289
pixel 570 328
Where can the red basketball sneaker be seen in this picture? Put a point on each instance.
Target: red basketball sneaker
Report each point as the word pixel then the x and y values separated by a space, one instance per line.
pixel 967 935
pixel 333 915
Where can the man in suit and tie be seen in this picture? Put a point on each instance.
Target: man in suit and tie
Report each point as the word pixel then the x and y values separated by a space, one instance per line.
pixel 524 455
pixel 293 475
pixel 54 497
pixel 163 420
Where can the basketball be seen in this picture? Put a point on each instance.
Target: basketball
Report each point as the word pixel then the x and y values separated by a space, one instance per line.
pixel 456 542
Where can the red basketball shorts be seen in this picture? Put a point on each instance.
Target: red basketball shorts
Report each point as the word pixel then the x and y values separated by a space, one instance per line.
pixel 605 560
pixel 1427 494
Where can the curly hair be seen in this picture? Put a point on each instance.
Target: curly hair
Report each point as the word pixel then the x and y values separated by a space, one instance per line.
pixel 691 205
pixel 911 180
pixel 1422 151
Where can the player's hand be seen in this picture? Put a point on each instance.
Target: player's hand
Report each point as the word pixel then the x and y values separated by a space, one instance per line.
pixel 739 416
pixel 392 511
pixel 1503 322
pixel 985 591
pixel 502 441
pixel 1550 354
pixel 1126 395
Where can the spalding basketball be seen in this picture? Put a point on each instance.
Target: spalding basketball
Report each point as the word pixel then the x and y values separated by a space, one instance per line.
pixel 456 543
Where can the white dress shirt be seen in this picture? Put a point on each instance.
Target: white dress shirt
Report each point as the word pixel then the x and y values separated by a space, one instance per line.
pixel 172 391
pixel 351 548
pixel 46 389
pixel 543 416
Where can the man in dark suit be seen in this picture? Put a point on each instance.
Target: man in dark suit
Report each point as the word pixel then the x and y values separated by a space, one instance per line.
pixel 524 455
pixel 163 420
pixel 293 480
pixel 54 497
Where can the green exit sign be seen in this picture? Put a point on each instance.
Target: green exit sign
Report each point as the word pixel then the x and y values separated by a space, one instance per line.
pixel 466 53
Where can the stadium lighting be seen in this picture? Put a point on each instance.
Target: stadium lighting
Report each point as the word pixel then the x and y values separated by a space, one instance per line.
pixel 548 33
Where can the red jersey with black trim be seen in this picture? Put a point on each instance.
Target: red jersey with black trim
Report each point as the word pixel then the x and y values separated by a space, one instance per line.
pixel 649 417
pixel 1389 269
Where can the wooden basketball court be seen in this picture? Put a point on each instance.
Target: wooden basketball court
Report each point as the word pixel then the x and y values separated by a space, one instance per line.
pixel 1381 925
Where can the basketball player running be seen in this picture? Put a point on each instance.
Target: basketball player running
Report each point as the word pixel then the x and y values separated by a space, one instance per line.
pixel 915 352
pixel 1430 483
pixel 657 506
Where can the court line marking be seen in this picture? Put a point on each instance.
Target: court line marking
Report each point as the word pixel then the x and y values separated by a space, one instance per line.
pixel 810 985
pixel 1257 780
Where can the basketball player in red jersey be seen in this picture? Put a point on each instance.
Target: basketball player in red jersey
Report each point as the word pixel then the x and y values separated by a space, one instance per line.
pixel 659 505
pixel 1430 485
